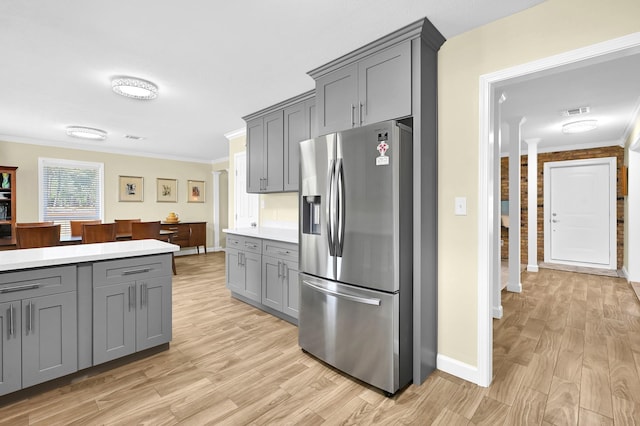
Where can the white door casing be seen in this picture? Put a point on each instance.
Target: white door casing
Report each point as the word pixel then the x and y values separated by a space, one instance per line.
pixel 580 212
pixel 246 205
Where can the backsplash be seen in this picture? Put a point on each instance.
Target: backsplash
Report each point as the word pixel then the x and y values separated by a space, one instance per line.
pixel 279 210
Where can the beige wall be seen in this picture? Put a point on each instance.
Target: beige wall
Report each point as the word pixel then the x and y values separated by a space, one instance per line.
pixel 275 209
pixel 25 157
pixel 552 27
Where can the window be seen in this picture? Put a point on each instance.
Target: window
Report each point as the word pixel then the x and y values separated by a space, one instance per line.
pixel 70 190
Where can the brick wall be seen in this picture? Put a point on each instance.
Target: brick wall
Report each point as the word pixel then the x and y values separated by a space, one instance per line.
pixel 610 151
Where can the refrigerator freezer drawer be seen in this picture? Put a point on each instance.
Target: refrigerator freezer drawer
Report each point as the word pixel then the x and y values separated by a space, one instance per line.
pixel 353 329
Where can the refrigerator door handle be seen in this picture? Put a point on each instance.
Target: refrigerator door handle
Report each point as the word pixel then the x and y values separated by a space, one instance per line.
pixel 358 299
pixel 331 208
pixel 341 208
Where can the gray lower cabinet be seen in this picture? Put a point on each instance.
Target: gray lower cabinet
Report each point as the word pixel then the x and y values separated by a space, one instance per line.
pixel 265 272
pixel 244 261
pixel 280 277
pixel 38 316
pixel 131 306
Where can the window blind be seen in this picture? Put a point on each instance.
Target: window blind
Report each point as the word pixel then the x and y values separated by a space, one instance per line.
pixel 70 190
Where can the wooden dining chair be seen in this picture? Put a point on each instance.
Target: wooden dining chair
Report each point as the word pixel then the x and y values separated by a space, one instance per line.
pixel 34 224
pixel 76 226
pixel 37 236
pixel 150 230
pixel 98 233
pixel 123 226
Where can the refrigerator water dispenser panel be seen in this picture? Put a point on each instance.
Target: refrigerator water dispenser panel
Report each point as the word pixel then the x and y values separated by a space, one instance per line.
pixel 311 208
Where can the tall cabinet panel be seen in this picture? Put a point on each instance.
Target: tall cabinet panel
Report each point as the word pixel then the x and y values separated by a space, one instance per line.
pixel 296 129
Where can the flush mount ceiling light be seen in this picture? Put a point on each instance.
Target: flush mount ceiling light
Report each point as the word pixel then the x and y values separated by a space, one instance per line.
pixel 86 133
pixel 135 88
pixel 579 126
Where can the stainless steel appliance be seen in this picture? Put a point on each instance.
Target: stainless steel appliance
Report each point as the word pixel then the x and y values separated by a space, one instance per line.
pixel 356 252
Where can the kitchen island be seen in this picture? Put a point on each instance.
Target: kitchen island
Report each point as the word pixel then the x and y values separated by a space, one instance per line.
pixel 69 308
pixel 262 269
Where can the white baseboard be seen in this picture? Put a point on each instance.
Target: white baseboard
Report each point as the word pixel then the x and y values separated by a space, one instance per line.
pixel 457 368
pixel 532 268
pixel 517 288
pixel 625 273
pixel 497 312
pixel 218 248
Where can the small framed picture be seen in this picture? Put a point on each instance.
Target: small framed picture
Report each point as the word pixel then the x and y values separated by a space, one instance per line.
pixel 166 190
pixel 195 191
pixel 131 188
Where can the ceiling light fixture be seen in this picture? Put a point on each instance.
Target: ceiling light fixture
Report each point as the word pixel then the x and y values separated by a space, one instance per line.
pixel 135 88
pixel 86 133
pixel 579 126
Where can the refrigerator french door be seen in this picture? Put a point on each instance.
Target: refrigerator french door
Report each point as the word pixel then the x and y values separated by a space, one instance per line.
pixel 356 252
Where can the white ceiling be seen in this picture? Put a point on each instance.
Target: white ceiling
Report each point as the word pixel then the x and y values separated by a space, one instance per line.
pixel 609 85
pixel 214 62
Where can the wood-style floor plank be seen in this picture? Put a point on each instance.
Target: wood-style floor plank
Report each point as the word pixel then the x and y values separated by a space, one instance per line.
pixel 567 351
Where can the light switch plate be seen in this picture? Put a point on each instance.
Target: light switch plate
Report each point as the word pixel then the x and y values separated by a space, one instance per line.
pixel 461 206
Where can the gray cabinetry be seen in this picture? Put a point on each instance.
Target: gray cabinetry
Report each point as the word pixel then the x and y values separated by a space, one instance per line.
pixel 243 266
pixel 131 305
pixel 280 277
pixel 265 153
pixel 38 315
pixel 273 135
pixel 264 273
pixel 375 88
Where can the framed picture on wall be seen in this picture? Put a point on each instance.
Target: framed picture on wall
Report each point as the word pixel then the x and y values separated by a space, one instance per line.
pixel 166 190
pixel 195 191
pixel 130 188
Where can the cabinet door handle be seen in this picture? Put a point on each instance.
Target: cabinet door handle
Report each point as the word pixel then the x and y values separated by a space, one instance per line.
pixel 353 119
pixel 19 287
pixel 143 289
pixel 11 320
pixel 285 270
pixel 130 298
pixel 360 113
pixel 30 318
pixel 242 260
pixel 279 265
pixel 136 271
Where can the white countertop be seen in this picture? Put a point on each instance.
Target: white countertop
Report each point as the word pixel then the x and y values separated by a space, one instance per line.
pixel 277 234
pixel 12 260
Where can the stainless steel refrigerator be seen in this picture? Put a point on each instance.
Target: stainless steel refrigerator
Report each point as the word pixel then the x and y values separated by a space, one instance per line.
pixel 356 252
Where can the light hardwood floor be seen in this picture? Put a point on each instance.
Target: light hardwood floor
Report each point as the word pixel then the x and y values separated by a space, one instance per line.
pixel 566 352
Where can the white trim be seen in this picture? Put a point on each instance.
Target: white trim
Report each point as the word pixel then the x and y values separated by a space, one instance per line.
pixel 574 147
pixel 625 273
pixel 532 268
pixel 486 233
pixel 236 133
pixel 532 205
pixel 457 368
pixel 613 172
pixel 216 207
pixel 497 312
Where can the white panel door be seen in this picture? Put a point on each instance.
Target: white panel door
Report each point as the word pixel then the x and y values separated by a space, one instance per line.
pixel 580 214
pixel 246 205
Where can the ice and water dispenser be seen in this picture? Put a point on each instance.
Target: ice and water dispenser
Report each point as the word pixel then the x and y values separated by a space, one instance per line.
pixel 311 210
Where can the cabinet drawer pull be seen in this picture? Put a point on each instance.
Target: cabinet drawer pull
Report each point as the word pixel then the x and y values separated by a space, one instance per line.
pixel 20 287
pixel 284 252
pixel 251 245
pixel 136 271
pixel 353 119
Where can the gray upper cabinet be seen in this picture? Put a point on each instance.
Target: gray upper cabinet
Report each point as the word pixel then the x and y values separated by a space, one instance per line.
pixel 373 89
pixel 265 153
pixel 337 97
pixel 255 154
pixel 273 135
